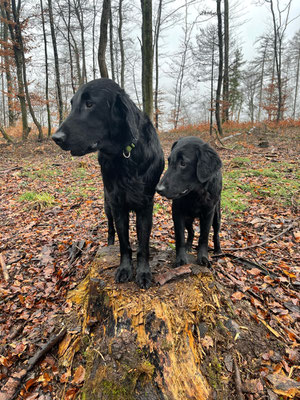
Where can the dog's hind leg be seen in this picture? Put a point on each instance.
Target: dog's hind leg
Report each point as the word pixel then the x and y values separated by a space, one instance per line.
pixel 216 227
pixel 143 228
pixel 189 226
pixel 124 272
pixel 110 220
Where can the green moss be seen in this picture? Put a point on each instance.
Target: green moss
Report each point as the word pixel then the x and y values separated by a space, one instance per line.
pixel 37 200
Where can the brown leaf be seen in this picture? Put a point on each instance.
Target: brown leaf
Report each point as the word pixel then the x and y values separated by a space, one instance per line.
pixel 161 279
pixel 284 386
pixel 79 375
pixel 237 296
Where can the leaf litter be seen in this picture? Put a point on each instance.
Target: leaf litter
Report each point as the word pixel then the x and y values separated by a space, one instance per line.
pixel 45 250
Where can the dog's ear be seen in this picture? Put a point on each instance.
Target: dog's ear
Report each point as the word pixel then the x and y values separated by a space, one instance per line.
pixel 174 144
pixel 208 163
pixel 124 115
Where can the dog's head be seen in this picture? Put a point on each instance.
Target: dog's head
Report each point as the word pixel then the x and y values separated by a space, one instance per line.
pixel 191 162
pixel 102 118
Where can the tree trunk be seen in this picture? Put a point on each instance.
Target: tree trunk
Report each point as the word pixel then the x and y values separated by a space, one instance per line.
pixel 5 135
pixel 103 38
pixel 111 46
pixel 157 32
pixel 147 57
pixel 143 344
pixel 13 28
pixel 297 84
pixel 225 107
pixel 9 81
pixel 56 63
pixel 46 71
pixel 122 54
pixel 212 87
pixel 220 77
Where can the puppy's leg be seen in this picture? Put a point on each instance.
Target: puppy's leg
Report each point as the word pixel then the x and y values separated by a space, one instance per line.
pixel 179 224
pixel 206 219
pixel 216 226
pixel 143 228
pixel 110 220
pixel 124 272
pixel 189 226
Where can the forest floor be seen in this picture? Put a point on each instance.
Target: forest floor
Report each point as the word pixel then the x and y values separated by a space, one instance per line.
pixel 52 222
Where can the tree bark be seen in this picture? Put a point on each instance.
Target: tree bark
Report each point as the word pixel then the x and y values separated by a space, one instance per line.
pixel 103 39
pixel 147 57
pixel 56 63
pixel 226 105
pixel 144 344
pixel 122 54
pixel 111 46
pixel 156 39
pixel 13 28
pixel 220 77
pixel 46 70
pixel 11 114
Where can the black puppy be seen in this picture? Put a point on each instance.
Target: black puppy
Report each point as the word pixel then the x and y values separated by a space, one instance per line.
pixel 194 182
pixel 104 118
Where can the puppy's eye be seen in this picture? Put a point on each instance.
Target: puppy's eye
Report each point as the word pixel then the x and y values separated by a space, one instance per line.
pixel 88 104
pixel 182 164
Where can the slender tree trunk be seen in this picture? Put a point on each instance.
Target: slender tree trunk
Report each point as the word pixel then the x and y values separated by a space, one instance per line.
pixel 79 15
pixel 225 107
pixel 93 39
pixel 103 39
pixel 157 32
pixel 13 28
pixel 297 84
pixel 262 75
pixel 111 46
pixel 147 57
pixel 122 54
pixel 46 71
pixel 220 77
pixel 11 114
pixel 68 24
pixel 56 63
pixel 212 87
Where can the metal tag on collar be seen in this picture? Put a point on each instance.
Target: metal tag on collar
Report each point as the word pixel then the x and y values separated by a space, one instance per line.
pixel 127 151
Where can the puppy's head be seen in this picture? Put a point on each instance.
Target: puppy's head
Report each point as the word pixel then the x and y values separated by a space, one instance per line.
pixel 102 118
pixel 191 163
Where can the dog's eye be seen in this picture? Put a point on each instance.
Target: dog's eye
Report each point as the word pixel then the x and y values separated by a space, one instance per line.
pixel 182 163
pixel 88 104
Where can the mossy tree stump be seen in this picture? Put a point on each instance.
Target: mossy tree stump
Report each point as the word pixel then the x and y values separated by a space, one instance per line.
pixel 141 344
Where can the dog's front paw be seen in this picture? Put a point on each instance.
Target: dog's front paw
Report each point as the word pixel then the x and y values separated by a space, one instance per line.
pixel 143 279
pixel 203 260
pixel 181 259
pixel 124 274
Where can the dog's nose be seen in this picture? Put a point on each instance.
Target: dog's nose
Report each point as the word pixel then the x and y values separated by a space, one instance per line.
pixel 59 137
pixel 160 188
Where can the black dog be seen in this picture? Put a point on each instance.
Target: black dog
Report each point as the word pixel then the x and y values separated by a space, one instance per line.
pixel 104 118
pixel 194 182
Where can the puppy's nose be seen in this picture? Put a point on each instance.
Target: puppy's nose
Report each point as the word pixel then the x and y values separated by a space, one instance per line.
pixel 160 188
pixel 59 137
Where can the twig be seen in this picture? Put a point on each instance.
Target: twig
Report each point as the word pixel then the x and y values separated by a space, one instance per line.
pixel 259 244
pixel 237 379
pixel 48 346
pixel 9 170
pixel 4 268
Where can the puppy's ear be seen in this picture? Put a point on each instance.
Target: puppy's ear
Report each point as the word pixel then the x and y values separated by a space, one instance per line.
pixel 208 163
pixel 124 116
pixel 174 144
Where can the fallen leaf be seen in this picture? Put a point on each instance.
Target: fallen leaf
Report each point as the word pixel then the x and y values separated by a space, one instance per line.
pixel 79 375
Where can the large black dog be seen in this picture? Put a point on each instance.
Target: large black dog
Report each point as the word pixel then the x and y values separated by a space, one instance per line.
pixel 194 182
pixel 104 118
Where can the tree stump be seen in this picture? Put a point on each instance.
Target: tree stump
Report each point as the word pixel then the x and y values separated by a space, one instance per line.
pixel 140 344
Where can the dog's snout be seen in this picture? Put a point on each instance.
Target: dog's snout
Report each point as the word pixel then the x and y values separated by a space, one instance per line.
pixel 160 188
pixel 59 137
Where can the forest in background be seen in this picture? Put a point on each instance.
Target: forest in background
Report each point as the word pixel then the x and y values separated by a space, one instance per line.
pixel 197 71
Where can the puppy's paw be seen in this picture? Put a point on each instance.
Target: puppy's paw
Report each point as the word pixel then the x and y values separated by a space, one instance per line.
pixel 181 260
pixel 123 274
pixel 203 260
pixel 143 279
pixel 111 241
